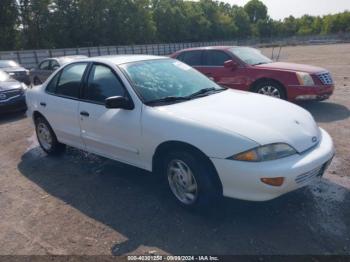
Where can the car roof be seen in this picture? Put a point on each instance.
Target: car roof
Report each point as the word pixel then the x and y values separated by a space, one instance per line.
pixel 208 48
pixel 123 59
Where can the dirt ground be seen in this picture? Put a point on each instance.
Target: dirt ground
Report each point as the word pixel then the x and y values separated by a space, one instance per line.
pixel 84 204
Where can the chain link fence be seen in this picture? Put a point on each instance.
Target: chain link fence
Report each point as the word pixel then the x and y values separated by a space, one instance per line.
pixel 30 58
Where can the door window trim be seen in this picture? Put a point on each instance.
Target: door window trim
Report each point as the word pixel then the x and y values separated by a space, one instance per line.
pixel 59 73
pixel 205 56
pixel 86 81
pixel 192 51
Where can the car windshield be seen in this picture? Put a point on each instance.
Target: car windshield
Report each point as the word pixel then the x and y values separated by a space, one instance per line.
pixel 3 76
pixel 250 56
pixel 170 79
pixel 8 63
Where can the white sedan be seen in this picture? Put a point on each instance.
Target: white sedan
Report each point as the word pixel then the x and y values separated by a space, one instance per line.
pixel 161 115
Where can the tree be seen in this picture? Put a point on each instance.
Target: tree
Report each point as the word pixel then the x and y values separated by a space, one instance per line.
pixel 242 21
pixel 256 11
pixel 9 24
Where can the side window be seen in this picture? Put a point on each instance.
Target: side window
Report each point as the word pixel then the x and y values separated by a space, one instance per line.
pixel 45 65
pixel 70 79
pixel 102 83
pixel 51 87
pixel 216 58
pixel 192 58
pixel 54 65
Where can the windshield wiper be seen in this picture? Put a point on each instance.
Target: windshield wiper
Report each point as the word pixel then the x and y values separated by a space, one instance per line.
pixel 170 99
pixel 167 99
pixel 204 91
pixel 261 63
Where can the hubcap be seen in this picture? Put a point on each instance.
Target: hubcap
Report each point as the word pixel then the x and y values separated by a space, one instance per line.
pixel 182 182
pixel 270 91
pixel 44 136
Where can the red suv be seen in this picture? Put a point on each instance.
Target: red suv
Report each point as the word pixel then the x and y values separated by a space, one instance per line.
pixel 248 69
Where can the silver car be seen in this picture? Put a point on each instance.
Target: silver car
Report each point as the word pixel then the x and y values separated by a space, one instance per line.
pixel 15 70
pixel 39 74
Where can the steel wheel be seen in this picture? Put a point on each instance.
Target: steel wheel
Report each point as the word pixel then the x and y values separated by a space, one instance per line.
pixel 182 182
pixel 270 91
pixel 44 136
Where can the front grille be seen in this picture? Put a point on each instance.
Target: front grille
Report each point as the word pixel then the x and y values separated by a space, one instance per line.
pixel 326 78
pixel 304 178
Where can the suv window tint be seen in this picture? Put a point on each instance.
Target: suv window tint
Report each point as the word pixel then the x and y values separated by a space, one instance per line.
pixel 51 87
pixel 103 83
pixel 45 65
pixel 216 58
pixel 191 58
pixel 70 79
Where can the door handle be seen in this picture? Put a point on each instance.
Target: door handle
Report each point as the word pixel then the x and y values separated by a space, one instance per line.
pixel 43 104
pixel 84 113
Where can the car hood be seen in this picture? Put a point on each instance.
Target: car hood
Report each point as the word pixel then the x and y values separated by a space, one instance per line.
pixel 292 67
pixel 262 119
pixel 14 69
pixel 10 84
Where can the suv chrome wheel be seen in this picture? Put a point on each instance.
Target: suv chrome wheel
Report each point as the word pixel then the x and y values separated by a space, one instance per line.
pixel 182 182
pixel 270 91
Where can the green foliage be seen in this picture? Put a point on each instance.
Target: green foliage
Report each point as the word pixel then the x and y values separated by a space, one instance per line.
pixel 8 24
pixel 73 23
pixel 256 11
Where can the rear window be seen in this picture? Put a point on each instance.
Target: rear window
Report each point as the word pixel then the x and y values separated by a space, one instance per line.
pixel 216 58
pixel 69 82
pixel 192 58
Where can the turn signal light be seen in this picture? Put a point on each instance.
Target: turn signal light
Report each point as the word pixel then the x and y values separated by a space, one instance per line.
pixel 277 181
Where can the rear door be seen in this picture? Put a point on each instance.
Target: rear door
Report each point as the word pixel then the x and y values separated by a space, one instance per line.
pixel 61 103
pixel 113 133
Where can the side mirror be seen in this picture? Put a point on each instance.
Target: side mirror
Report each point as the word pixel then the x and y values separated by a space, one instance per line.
pixel 230 64
pixel 119 102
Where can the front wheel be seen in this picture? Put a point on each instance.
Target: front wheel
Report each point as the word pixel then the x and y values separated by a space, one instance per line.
pixel 271 89
pixel 191 180
pixel 47 138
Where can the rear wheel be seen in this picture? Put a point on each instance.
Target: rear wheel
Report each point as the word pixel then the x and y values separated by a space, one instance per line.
pixel 47 138
pixel 191 180
pixel 272 89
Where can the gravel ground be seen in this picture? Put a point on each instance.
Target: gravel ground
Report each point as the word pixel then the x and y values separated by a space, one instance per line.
pixel 83 204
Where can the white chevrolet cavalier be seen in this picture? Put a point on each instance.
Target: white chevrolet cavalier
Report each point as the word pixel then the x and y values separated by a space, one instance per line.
pixel 161 115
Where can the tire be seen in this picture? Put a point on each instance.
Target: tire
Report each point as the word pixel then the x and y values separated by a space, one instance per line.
pixel 47 138
pixel 271 88
pixel 183 169
pixel 37 81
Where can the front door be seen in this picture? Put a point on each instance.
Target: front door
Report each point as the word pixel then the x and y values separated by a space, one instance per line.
pixel 113 133
pixel 213 67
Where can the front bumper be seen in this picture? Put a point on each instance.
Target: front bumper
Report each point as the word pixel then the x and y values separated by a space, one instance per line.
pixel 242 180
pixel 316 93
pixel 13 105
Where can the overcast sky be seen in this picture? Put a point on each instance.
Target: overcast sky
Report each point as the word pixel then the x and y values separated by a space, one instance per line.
pixel 279 9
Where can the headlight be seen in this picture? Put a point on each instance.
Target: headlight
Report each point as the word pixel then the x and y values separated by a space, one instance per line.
pixel 24 86
pixel 305 79
pixel 266 153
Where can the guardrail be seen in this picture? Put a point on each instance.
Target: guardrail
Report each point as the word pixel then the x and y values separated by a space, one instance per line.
pixel 30 58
